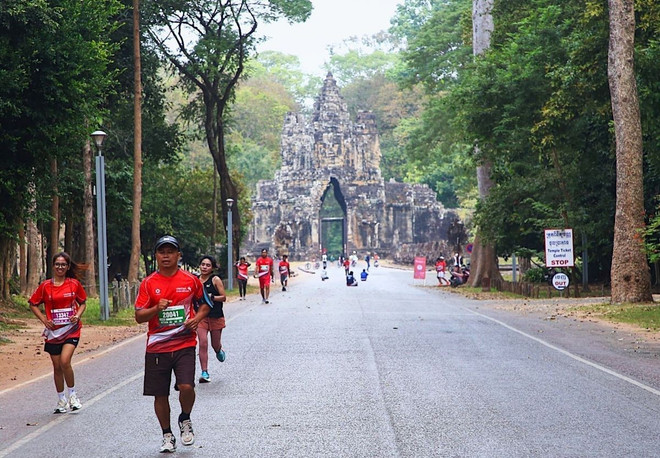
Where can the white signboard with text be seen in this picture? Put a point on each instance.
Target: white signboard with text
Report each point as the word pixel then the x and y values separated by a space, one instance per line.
pixel 559 248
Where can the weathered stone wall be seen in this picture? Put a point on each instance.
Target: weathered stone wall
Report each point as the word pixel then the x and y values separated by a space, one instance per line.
pixel 332 150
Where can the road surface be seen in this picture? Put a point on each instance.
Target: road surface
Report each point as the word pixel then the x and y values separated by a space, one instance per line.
pixel 385 369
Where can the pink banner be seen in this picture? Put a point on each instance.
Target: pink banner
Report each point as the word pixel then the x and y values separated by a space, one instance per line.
pixel 420 268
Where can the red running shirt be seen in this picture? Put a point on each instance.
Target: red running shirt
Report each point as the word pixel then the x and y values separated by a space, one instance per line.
pixel 61 303
pixel 166 330
pixel 263 266
pixel 284 268
pixel 242 268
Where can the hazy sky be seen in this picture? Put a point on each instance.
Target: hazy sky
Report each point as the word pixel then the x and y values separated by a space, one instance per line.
pixel 331 22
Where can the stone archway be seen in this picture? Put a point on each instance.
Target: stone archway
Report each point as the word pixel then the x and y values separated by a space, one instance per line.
pixel 332 220
pixel 320 153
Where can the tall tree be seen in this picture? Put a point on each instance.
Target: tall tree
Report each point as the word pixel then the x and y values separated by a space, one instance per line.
pixel 630 274
pixel 53 61
pixel 134 263
pixel 484 259
pixel 208 43
pixel 88 217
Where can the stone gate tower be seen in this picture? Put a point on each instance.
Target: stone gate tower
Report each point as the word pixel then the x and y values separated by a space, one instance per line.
pixel 330 155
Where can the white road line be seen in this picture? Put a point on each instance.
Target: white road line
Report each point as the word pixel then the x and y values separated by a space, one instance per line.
pixel 78 362
pixel 571 355
pixel 38 432
pixel 87 358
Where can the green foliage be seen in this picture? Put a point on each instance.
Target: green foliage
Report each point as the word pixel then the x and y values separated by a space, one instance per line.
pixel 537 106
pixel 54 61
pixel 285 70
pixel 535 275
pixel 251 161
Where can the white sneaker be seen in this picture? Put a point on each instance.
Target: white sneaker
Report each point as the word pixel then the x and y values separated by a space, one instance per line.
pixel 187 435
pixel 62 406
pixel 169 443
pixel 74 402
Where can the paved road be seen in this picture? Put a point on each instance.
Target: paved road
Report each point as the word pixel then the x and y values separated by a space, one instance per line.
pixel 387 369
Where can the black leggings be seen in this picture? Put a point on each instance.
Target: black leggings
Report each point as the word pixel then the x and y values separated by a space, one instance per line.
pixel 242 287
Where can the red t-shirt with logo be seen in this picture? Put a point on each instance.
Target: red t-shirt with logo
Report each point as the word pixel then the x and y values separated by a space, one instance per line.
pixel 60 303
pixel 166 330
pixel 263 266
pixel 242 268
pixel 284 268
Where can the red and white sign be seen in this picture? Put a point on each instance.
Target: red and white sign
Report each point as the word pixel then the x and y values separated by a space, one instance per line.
pixel 560 281
pixel 420 268
pixel 559 248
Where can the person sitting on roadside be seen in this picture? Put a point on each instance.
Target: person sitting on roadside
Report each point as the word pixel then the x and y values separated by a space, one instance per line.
pixel 363 275
pixel 351 280
pixel 457 276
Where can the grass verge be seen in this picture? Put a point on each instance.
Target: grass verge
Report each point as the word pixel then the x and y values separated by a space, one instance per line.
pixel 644 316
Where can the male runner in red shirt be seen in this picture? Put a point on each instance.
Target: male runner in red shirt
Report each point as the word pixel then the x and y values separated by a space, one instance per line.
pixel 166 300
pixel 264 271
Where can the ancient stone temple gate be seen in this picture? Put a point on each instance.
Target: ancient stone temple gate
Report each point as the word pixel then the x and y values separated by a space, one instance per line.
pixel 330 186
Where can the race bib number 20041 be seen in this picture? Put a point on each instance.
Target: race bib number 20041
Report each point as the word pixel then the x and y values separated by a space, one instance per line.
pixel 172 315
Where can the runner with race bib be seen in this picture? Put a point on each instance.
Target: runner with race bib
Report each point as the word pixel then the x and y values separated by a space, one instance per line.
pixel 264 271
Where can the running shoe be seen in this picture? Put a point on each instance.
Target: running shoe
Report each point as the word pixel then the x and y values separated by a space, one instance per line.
pixel 74 402
pixel 221 355
pixel 283 288
pixel 205 377
pixel 169 443
pixel 187 436
pixel 267 301
pixel 62 406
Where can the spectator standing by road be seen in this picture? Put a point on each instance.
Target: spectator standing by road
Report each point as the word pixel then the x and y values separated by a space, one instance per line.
pixel 166 301
pixel 64 303
pixel 367 258
pixel 215 320
pixel 441 270
pixel 347 265
pixel 264 271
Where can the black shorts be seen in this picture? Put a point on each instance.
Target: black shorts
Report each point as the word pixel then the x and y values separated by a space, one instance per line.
pixel 56 349
pixel 158 369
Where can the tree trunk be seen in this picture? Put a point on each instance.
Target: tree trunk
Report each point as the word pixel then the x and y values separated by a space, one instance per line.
pixel 7 256
pixel 214 128
pixel 483 262
pixel 134 264
pixel 630 275
pixel 22 258
pixel 35 257
pixel 53 245
pixel 214 217
pixel 88 212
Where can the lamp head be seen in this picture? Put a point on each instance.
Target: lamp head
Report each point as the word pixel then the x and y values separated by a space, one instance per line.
pixel 98 137
pixel 230 202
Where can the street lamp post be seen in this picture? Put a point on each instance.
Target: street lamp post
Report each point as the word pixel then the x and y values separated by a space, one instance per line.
pixel 98 137
pixel 230 270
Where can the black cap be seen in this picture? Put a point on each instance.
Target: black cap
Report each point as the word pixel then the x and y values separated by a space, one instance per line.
pixel 167 240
